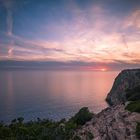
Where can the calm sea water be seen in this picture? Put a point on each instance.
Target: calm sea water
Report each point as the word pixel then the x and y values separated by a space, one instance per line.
pixel 52 94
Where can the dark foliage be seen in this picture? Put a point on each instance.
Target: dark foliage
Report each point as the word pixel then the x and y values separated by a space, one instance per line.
pixel 45 129
pixel 134 106
pixel 133 94
pixel 82 116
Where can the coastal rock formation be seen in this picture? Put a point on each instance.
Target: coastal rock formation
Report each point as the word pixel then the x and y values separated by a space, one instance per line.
pixel 113 123
pixel 127 79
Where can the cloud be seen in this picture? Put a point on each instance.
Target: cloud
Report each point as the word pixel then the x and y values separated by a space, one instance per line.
pixel 93 35
pixel 8 4
pixel 133 20
pixel 10 52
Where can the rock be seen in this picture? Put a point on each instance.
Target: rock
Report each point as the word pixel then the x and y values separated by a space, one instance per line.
pixel 127 79
pixel 112 125
pixel 114 122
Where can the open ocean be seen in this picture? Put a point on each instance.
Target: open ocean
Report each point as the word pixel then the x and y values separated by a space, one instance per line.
pixel 52 94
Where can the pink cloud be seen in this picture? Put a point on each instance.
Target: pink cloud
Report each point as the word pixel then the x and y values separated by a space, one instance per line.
pixel 92 36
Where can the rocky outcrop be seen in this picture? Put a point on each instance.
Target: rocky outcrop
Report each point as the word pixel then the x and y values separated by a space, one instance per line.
pixel 113 123
pixel 127 79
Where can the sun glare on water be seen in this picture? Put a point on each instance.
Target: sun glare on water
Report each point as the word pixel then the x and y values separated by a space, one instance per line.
pixel 103 69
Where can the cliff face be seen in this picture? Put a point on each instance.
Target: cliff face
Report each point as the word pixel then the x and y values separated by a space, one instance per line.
pixel 127 79
pixel 115 122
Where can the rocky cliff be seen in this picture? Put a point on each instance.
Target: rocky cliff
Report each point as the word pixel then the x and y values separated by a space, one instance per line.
pixel 127 79
pixel 113 123
pixel 116 122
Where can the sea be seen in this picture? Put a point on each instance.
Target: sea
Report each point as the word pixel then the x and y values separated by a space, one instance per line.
pixel 52 94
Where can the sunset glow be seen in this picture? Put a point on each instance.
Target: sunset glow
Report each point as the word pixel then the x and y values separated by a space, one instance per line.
pixel 93 32
pixel 103 69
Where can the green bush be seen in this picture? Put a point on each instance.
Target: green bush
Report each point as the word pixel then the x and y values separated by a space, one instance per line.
pixel 71 125
pixel 20 120
pixel 82 116
pixel 45 129
pixel 134 106
pixel 133 94
pixel 5 132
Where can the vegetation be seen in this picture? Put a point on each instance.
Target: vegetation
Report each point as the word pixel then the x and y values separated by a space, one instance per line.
pixel 133 95
pixel 82 116
pixel 134 106
pixel 45 129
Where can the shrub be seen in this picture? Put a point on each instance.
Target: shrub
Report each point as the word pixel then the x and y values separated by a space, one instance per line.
pixel 82 116
pixel 133 94
pixel 45 129
pixel 5 132
pixel 71 125
pixel 134 106
pixel 20 119
pixel 14 121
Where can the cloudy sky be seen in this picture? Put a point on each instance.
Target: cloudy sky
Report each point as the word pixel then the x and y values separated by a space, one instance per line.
pixel 94 32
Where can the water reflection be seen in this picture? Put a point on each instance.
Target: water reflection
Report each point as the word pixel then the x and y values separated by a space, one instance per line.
pixel 10 95
pixel 52 94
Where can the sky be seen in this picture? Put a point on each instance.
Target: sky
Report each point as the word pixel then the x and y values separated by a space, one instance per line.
pixel 97 34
